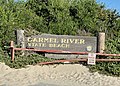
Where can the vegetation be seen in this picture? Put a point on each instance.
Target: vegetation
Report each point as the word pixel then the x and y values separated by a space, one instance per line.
pixel 71 17
pixel 23 61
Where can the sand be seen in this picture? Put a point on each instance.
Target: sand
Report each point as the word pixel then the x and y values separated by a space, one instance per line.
pixel 54 75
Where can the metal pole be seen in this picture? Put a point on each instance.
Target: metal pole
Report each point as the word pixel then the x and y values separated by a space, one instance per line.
pixel 78 60
pixel 66 52
pixel 12 50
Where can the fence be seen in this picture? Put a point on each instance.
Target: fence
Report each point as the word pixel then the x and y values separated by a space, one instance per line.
pixel 65 52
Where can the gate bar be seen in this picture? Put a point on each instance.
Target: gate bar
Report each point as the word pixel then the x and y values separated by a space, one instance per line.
pixel 65 52
pixel 78 60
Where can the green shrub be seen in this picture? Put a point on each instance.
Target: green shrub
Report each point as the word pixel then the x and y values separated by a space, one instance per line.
pixel 23 61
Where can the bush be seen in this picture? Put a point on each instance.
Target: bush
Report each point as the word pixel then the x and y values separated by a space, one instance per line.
pixel 23 61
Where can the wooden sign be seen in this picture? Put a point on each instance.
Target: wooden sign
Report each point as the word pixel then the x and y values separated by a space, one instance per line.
pixel 62 42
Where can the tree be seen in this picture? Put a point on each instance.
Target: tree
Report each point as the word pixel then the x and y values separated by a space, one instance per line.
pixel 13 15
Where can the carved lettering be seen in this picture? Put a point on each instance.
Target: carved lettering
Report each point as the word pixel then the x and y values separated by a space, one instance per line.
pixel 36 44
pixel 59 45
pixel 73 41
pixel 64 41
pixel 58 42
pixel 40 40
pixel 82 41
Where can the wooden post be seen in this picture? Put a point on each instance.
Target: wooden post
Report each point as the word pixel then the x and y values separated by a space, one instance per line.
pixel 12 50
pixel 101 42
pixel 21 39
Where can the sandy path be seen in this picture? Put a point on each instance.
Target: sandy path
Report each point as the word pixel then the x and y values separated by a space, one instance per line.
pixel 54 75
